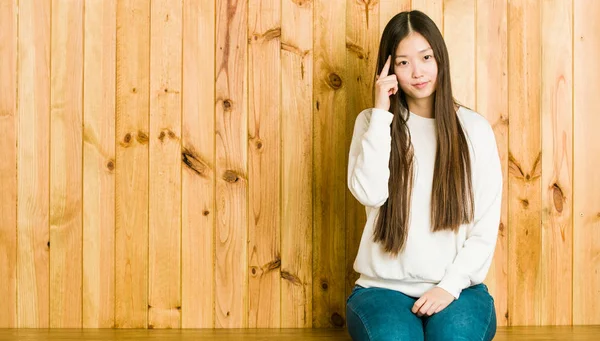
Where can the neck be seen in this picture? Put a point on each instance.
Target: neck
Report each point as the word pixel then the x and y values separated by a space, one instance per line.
pixel 421 106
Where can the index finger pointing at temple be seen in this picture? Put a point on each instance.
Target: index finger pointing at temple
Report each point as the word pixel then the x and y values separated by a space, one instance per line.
pixel 386 67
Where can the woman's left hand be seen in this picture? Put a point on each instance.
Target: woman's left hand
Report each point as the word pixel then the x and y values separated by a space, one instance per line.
pixel 432 302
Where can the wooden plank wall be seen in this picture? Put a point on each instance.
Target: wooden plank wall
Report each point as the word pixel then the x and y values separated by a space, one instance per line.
pixel 182 163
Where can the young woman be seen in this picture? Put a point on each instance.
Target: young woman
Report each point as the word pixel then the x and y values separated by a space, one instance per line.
pixel 428 172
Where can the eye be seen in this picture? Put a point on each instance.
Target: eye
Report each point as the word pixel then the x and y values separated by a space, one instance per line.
pixel 427 57
pixel 402 63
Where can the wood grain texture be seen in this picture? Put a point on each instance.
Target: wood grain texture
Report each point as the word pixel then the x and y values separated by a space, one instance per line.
pixel 8 162
pixel 296 164
pixel 164 282
pixel 99 164
pixel 433 8
pixel 557 162
pixel 231 298
pixel 492 103
pixel 329 168
pixel 459 34
pixel 362 38
pixel 33 237
pixel 198 162
pixel 586 183
pixel 264 164
pixel 66 185
pixel 524 168
pixel 132 125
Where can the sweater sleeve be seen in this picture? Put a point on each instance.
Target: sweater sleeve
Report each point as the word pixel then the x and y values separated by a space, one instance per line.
pixel 473 261
pixel 368 162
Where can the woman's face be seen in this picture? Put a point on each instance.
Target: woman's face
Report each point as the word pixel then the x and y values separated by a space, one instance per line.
pixel 415 67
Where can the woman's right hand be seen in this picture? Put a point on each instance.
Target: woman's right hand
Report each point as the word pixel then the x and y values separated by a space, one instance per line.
pixel 385 86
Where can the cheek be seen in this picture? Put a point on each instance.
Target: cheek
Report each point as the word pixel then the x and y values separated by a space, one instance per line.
pixel 403 80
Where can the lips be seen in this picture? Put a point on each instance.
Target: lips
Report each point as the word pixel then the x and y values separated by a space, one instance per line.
pixel 420 85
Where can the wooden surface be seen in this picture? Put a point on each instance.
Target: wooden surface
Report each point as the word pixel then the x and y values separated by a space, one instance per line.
pixel 33 165
pixel 586 158
pixel 66 202
pixel 524 164
pixel 198 162
pixel 8 163
pixel 580 333
pixel 239 215
pixel 231 134
pixel 99 164
pixel 264 163
pixel 329 177
pixel 132 126
pixel 557 147
pixel 164 282
pixel 492 102
pixel 297 165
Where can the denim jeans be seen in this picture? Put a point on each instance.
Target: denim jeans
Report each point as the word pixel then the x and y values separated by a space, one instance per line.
pixel 378 314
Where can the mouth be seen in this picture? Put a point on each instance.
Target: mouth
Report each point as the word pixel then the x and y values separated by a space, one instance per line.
pixel 420 85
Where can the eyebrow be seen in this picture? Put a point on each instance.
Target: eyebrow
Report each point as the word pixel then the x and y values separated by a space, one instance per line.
pixel 427 49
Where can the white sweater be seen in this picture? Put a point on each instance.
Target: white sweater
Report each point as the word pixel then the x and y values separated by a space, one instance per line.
pixel 448 260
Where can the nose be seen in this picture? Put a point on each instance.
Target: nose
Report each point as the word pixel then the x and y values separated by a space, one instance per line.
pixel 416 71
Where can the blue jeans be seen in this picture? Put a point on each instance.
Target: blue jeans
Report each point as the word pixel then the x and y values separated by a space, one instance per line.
pixel 382 314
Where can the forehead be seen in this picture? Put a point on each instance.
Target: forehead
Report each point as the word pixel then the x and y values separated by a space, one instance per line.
pixel 412 44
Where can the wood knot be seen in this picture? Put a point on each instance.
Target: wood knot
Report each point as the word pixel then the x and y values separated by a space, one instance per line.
pixel 48 244
pixel 171 134
pixel 142 137
pixel 291 278
pixel 150 326
pixel 318 104
pixel 337 320
pixel 110 165
pixel 334 81
pixel 205 213
pixel 227 314
pixel 178 307
pixel 527 177
pixel 127 138
pixel 193 161
pixel 253 270
pixel 525 203
pixel 134 90
pixel 166 90
pixel 557 195
pixel 259 144
pixel 227 104
pixel 230 176
pixel 324 286
pixel 161 136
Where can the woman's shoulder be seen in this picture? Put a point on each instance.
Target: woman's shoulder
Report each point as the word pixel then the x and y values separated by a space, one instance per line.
pixel 478 129
pixel 475 124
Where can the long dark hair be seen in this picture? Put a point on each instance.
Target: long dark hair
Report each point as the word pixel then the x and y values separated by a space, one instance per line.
pixel 452 202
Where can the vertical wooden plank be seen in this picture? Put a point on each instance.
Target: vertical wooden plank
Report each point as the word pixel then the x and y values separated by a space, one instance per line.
pixel 99 164
pixel 525 166
pixel 66 175
pixel 33 174
pixel 131 220
pixel 586 246
pixel 388 9
pixel 362 46
pixel 164 284
pixel 198 173
pixel 433 8
pixel 8 162
pixel 329 233
pixel 492 102
pixel 297 167
pixel 459 34
pixel 232 162
pixel 264 178
pixel 557 144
